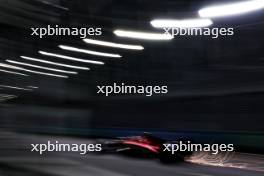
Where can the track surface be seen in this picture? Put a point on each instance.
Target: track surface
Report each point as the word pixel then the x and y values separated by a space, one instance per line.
pixel 17 160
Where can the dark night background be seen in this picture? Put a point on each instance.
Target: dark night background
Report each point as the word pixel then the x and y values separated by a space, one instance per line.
pixel 215 85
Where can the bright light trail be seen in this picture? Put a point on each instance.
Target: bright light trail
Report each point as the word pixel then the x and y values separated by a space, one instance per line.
pixel 4 97
pixel 231 9
pixel 142 35
pixel 114 45
pixel 31 71
pixel 187 23
pixel 96 53
pixel 13 87
pixel 54 63
pixel 40 67
pixel 33 87
pixel 70 58
pixel 12 72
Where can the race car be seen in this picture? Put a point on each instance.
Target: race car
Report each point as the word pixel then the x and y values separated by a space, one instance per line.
pixel 145 145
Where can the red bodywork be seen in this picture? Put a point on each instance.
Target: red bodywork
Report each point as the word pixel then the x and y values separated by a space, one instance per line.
pixel 143 142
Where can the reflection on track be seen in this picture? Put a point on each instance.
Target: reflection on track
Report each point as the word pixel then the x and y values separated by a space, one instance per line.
pixel 17 160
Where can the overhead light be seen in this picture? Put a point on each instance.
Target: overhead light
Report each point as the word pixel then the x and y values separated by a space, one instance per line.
pixel 12 72
pixel 33 87
pixel 4 97
pixel 188 23
pixel 142 35
pixel 71 58
pixel 54 63
pixel 231 9
pixel 114 45
pixel 13 87
pixel 53 4
pixel 10 66
pixel 31 71
pixel 40 67
pixel 96 53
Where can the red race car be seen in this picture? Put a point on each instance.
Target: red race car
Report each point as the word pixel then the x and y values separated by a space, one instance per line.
pixel 145 145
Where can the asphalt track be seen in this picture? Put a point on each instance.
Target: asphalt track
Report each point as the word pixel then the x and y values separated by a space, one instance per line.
pixel 16 159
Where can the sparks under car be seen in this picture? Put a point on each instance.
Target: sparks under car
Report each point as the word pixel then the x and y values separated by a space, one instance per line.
pixel 145 145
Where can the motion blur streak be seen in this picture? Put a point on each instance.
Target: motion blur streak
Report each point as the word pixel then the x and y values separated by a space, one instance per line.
pixel 54 63
pixel 53 5
pixel 13 87
pixel 11 72
pixel 70 58
pixel 114 45
pixel 188 23
pixel 4 97
pixel 33 87
pixel 144 145
pixel 231 9
pixel 31 71
pixel 142 35
pixel 41 67
pixel 96 53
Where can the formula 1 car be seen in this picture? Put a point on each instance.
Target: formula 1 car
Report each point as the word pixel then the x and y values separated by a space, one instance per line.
pixel 145 145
